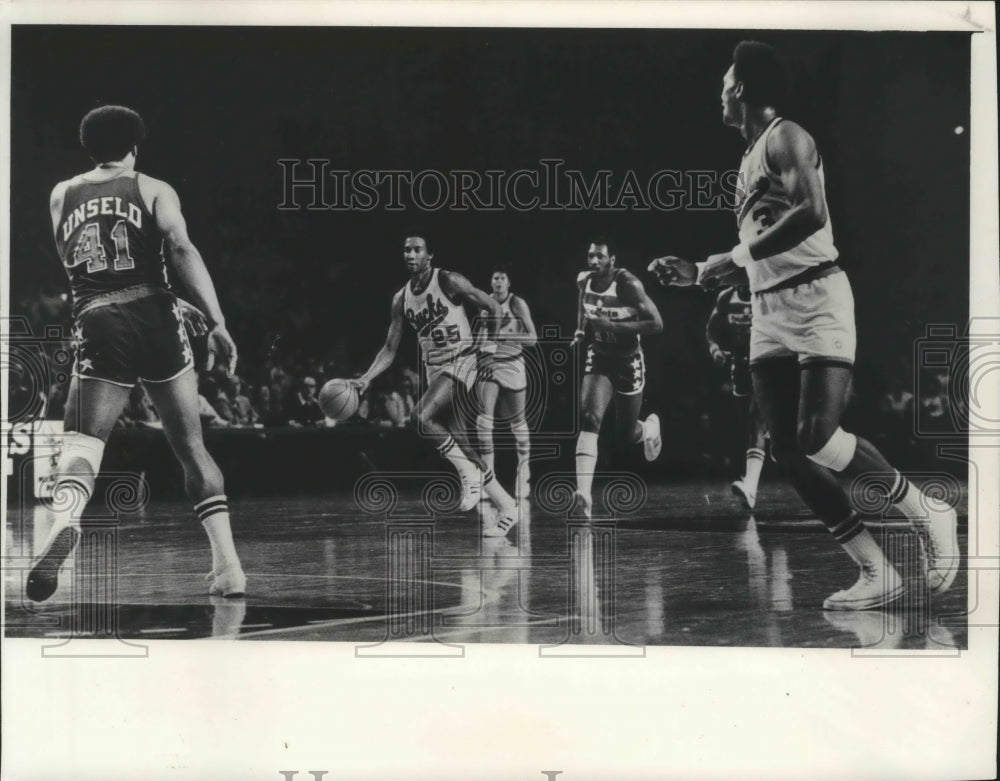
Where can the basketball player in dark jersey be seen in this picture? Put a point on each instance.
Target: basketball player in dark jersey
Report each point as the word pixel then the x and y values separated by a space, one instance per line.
pixel 614 311
pixel 116 230
pixel 433 302
pixel 728 336
pixel 802 337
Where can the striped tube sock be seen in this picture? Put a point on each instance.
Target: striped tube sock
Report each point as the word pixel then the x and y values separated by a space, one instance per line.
pixel 449 449
pixel 69 498
pixel 213 513
pixel 586 462
pixel 858 541
pixel 905 497
pixel 755 463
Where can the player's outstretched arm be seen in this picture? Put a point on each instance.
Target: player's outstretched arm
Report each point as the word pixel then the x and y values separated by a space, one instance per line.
pixel 189 266
pixel 385 357
pixel 528 337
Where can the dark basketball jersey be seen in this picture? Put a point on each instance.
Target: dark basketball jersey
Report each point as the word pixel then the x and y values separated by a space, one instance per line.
pixel 107 239
pixel 735 314
pixel 606 303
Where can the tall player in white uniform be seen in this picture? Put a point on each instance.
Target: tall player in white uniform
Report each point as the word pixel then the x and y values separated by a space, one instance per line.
pixel 802 336
pixel 613 312
pixel 433 302
pixel 503 386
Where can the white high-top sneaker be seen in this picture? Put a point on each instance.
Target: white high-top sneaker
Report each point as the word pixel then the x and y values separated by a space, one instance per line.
pixel 472 492
pixel 230 582
pixel 652 443
pixel 939 545
pixel 876 586
pixel 744 494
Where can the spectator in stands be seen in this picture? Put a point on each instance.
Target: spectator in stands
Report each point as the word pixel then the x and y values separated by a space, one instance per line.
pixel 304 409
pixel 209 417
pixel 243 412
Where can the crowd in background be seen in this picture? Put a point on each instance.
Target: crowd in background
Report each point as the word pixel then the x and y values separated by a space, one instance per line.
pixel 281 388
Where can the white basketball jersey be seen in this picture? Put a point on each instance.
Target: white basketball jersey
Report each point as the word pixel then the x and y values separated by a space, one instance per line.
pixel 509 324
pixel 763 201
pixel 442 327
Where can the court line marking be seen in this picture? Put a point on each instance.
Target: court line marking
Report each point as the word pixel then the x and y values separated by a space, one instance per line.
pixel 338 622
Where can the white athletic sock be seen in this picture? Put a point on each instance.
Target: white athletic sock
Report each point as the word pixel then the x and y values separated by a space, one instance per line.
pixel 69 498
pixel 755 463
pixel 586 462
pixel 504 501
pixel 912 502
pixel 214 516
pixel 865 551
pixel 466 467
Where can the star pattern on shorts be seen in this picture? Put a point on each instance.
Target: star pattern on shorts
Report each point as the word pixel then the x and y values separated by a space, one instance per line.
pixel 636 369
pixel 86 365
pixel 78 334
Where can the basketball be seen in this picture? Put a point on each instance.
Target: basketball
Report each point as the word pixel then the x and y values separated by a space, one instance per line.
pixel 339 399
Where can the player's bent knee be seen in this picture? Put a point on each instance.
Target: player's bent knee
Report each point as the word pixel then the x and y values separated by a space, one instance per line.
pixel 80 447
pixel 838 451
pixel 484 422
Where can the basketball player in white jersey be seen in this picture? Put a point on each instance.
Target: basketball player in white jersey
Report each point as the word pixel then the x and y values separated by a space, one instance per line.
pixel 502 386
pixel 433 303
pixel 613 313
pixel 802 337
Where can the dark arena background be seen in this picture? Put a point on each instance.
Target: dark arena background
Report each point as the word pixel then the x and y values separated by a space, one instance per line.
pixel 306 289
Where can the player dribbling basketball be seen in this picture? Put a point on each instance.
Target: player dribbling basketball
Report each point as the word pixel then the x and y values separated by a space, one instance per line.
pixel 433 303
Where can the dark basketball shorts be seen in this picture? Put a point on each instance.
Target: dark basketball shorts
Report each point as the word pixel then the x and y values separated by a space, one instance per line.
pixel 627 371
pixel 739 368
pixel 143 339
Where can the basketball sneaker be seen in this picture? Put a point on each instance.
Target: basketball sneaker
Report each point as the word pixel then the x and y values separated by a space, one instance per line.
pixel 44 576
pixel 230 582
pixel 876 586
pixel 503 525
pixel 939 546
pixel 651 441
pixel 742 491
pixel 472 493
pixel 581 507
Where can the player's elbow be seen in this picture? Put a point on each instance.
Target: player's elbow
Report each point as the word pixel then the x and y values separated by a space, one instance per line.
pixel 656 325
pixel 813 215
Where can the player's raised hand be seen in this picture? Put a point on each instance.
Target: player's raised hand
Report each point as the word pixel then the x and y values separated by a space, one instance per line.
pixel 671 270
pixel 222 350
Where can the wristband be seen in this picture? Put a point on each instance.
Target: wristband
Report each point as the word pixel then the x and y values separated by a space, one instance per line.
pixel 741 255
pixel 579 332
pixel 701 270
pixel 488 347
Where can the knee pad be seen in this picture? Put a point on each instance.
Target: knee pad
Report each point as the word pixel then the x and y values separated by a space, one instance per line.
pixel 838 452
pixel 77 446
